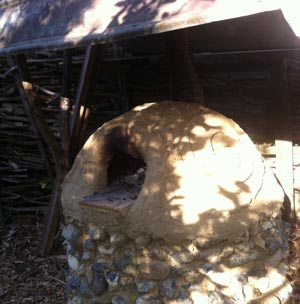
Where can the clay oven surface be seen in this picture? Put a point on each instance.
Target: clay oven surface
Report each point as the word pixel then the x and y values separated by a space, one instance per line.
pixel 204 178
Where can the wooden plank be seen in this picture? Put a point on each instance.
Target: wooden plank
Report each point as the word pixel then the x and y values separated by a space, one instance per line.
pixel 271 150
pixel 90 65
pixel 65 107
pixel 281 128
pixel 42 125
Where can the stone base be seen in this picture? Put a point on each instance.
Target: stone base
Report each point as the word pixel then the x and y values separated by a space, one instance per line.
pixel 115 269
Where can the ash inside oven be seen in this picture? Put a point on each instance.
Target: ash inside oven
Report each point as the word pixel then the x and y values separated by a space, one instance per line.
pixel 125 175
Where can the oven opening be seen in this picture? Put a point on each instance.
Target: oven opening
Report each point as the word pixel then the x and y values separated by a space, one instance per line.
pixel 125 177
pixel 125 170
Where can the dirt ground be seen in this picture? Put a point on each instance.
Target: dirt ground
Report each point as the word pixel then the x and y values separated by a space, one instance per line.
pixel 26 277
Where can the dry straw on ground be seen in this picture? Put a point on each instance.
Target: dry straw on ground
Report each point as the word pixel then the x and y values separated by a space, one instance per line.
pixel 25 277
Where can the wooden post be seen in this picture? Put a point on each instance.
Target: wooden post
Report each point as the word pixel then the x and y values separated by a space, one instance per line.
pixel 184 81
pixel 280 126
pixel 53 217
pixel 121 74
pixel 90 65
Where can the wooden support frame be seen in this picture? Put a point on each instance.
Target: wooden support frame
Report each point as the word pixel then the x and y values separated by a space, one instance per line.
pixel 80 111
pixel 55 214
pixel 23 75
pixel 280 123
pixel 30 101
pixel 62 159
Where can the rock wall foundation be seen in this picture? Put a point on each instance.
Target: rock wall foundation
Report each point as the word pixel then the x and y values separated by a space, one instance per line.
pixel 113 268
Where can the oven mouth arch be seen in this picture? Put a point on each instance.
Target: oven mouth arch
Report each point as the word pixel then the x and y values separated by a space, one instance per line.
pixel 125 175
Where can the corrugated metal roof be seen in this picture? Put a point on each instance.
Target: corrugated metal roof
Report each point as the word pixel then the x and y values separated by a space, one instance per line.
pixel 27 25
